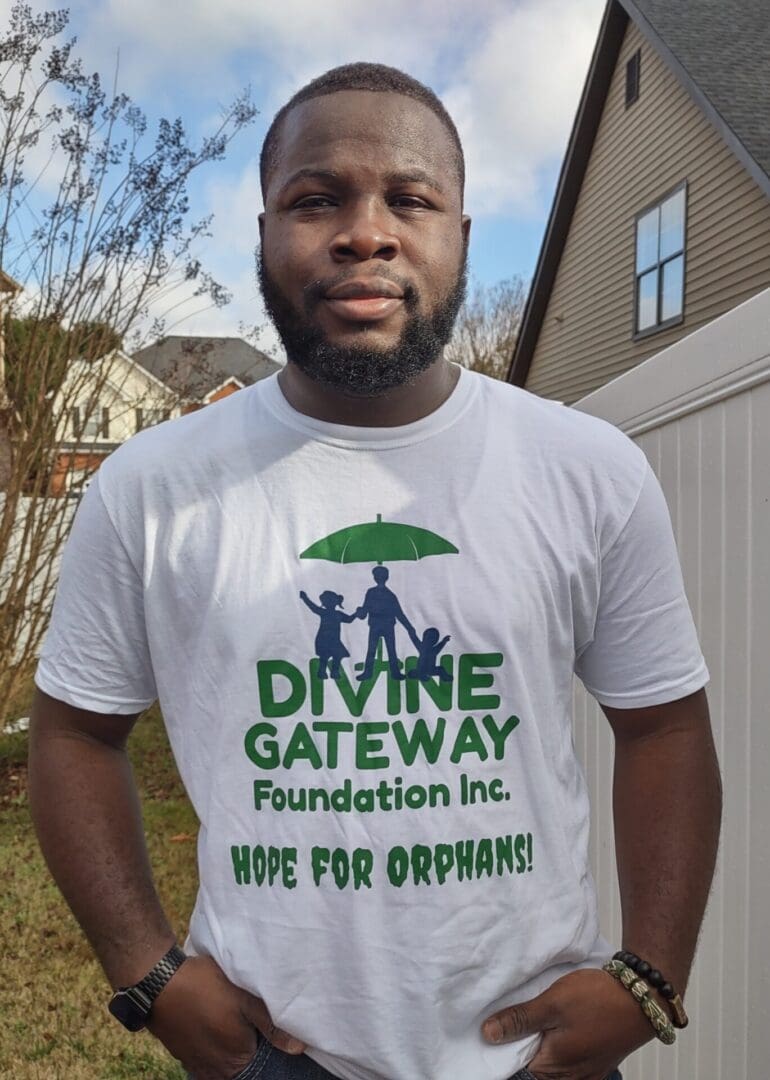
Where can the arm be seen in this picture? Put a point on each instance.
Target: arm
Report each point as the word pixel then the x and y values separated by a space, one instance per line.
pixel 405 622
pixel 667 808
pixel 86 812
pixel 313 607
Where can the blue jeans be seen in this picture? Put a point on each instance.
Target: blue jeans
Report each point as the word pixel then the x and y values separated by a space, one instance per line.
pixel 270 1063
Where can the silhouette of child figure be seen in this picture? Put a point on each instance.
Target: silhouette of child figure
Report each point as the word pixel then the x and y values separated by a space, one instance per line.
pixel 328 642
pixel 427 660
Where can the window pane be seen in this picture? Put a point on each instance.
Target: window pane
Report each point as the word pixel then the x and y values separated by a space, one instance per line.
pixel 647 301
pixel 672 225
pixel 673 289
pixel 647 240
pixel 93 424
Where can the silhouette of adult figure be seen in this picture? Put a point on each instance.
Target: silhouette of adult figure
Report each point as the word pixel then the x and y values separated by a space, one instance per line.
pixel 382 608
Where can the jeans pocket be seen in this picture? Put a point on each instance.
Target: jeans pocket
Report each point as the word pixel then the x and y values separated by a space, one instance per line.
pixel 258 1062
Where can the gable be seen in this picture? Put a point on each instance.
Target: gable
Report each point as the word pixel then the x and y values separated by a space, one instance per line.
pixel 586 336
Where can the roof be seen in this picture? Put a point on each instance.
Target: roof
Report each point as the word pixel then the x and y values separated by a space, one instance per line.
pixel 9 284
pixel 723 46
pixel 718 50
pixel 194 366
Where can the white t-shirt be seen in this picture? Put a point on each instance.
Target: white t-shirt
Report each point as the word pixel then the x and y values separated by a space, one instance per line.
pixel 386 861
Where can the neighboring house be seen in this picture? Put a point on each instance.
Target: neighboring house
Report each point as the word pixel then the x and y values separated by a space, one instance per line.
pixel 202 369
pixel 128 398
pixel 661 219
pixel 160 382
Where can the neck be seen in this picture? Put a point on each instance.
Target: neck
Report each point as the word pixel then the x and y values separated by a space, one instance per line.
pixel 400 405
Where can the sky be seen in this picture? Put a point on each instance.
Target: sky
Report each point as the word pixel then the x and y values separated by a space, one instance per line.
pixel 510 73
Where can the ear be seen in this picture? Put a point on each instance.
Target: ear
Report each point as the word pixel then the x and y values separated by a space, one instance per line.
pixel 466 228
pixel 261 220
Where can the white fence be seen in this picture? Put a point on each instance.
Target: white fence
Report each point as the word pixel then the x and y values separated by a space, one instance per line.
pixel 701 412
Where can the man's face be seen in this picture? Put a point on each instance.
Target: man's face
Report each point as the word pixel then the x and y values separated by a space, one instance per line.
pixel 363 259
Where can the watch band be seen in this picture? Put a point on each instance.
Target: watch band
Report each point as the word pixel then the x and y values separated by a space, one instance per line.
pixel 131 1005
pixel 154 981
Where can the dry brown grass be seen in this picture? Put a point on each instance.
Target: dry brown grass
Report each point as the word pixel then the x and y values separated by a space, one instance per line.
pixel 53 994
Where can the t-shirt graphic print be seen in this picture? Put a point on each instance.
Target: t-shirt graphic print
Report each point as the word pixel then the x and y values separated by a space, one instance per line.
pixel 430 686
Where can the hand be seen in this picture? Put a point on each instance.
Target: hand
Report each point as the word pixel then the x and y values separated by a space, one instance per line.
pixel 209 1024
pixel 589 1022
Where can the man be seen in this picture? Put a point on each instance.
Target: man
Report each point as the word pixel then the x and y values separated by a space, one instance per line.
pixel 382 608
pixel 385 865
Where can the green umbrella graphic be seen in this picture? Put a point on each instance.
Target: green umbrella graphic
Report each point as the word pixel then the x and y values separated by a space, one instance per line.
pixel 379 541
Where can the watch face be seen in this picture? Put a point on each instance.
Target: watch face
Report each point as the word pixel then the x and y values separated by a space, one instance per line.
pixel 129 1012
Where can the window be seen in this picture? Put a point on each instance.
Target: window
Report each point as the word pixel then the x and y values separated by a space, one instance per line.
pixel 659 274
pixel 89 422
pixel 633 72
pixel 149 417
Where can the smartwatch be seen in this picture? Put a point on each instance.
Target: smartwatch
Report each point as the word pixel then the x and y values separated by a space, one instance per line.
pixel 131 1004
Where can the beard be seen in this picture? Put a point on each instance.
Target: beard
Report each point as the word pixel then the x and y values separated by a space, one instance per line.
pixel 361 370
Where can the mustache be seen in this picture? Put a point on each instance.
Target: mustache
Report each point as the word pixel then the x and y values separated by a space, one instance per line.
pixel 316 291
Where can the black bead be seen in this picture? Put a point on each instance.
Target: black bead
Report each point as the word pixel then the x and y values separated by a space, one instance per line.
pixel 643 969
pixel 633 962
pixel 667 991
pixel 655 979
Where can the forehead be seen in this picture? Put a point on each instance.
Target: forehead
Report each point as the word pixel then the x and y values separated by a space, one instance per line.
pixel 362 129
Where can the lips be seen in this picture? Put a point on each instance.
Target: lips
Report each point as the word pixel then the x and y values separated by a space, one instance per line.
pixel 369 300
pixel 365 289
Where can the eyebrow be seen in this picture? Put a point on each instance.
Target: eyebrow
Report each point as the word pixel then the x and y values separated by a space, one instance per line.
pixel 393 179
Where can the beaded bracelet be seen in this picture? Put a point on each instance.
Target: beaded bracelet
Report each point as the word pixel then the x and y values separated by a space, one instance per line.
pixel 661 1024
pixel 665 989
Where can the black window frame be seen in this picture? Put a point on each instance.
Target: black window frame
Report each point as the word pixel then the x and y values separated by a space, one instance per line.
pixel 633 78
pixel 677 320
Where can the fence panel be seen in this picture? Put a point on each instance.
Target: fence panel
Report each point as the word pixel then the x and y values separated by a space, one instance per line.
pixel 701 412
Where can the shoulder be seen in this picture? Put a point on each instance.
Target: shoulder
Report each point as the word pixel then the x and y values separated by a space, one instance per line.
pixel 551 425
pixel 579 459
pixel 180 453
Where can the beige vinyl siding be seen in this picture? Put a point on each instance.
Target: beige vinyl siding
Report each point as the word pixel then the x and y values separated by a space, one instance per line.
pixel 639 156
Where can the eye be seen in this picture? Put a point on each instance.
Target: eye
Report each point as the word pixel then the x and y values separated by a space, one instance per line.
pixel 313 202
pixel 409 202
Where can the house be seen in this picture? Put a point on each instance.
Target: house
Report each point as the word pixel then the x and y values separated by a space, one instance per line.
pixel 203 369
pixel 110 399
pixel 107 401
pixel 661 219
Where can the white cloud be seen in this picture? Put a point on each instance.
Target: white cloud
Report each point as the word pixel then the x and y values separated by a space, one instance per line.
pixel 510 73
pixel 515 98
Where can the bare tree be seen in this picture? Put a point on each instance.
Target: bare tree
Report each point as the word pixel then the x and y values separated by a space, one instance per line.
pixel 487 327
pixel 98 251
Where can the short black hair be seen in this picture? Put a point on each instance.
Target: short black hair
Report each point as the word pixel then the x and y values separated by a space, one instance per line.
pixel 358 76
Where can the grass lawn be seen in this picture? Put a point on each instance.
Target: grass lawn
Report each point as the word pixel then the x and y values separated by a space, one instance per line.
pixel 53 994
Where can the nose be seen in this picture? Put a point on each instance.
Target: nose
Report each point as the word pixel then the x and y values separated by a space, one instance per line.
pixel 364 235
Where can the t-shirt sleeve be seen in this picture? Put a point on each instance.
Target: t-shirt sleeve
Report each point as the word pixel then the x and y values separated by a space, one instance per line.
pixel 95 654
pixel 644 649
